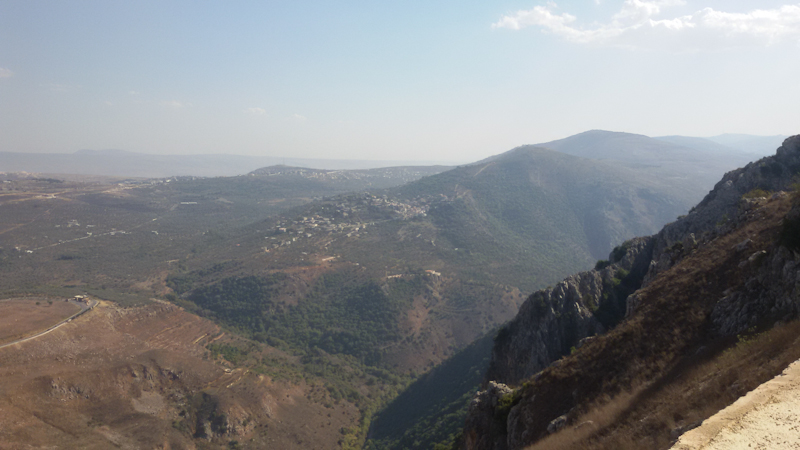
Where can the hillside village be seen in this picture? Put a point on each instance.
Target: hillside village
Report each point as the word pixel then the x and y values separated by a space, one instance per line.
pixel 347 215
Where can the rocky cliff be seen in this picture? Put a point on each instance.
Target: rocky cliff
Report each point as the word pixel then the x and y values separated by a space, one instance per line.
pixel 729 265
pixel 719 211
pixel 555 320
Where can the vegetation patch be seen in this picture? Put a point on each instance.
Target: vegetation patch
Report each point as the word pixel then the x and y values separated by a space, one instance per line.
pixel 619 251
pixel 602 264
pixel 757 193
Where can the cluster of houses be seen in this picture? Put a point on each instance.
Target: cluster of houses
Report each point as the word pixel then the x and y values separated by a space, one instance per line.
pixel 366 204
pixel 431 273
pixel 348 215
pixel 315 174
pixel 156 181
pixel 288 231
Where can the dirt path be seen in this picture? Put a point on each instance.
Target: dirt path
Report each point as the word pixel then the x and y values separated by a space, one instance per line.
pixel 84 308
pixel 766 418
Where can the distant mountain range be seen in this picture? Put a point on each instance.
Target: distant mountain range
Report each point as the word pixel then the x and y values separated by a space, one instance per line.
pixel 693 164
pixel 623 147
pixel 760 145
pixel 518 208
pixel 141 165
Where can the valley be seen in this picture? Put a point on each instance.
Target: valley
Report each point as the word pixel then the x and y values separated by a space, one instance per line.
pixel 354 291
pixel 536 225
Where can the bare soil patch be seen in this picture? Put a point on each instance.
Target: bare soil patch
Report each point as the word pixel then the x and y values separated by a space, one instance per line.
pixel 21 317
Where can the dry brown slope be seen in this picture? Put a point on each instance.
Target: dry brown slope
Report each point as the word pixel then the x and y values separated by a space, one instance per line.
pixel 136 378
pixel 20 318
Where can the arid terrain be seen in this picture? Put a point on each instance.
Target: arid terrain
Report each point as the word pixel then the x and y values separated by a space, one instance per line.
pixel 142 378
pixel 20 318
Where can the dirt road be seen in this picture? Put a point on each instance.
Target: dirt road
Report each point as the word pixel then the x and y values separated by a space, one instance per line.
pixel 766 418
pixel 84 308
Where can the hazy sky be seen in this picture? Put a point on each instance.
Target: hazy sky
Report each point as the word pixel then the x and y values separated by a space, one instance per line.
pixel 422 80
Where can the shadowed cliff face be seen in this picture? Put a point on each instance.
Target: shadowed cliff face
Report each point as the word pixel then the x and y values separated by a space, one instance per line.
pixel 553 321
pixel 730 265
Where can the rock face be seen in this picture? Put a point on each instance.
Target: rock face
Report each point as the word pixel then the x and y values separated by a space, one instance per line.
pixel 553 321
pixel 484 414
pixel 771 292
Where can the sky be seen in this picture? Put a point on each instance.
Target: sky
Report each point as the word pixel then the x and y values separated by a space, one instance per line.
pixel 412 80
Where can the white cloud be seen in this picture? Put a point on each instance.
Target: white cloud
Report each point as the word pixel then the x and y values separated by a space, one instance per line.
pixel 6 73
pixel 640 23
pixel 771 25
pixel 641 10
pixel 298 117
pixel 256 111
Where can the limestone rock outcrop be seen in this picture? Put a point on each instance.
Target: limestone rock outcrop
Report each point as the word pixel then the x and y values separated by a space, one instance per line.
pixel 483 418
pixel 553 321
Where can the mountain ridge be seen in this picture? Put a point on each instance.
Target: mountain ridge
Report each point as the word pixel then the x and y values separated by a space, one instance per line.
pixel 125 163
pixel 719 225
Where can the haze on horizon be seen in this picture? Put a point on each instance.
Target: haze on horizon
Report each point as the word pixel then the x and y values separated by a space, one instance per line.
pixel 412 81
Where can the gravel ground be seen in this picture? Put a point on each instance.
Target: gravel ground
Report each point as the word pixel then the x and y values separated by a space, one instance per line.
pixel 766 418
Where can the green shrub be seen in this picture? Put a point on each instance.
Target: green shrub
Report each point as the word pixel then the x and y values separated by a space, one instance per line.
pixel 619 251
pixel 602 264
pixel 505 404
pixel 756 193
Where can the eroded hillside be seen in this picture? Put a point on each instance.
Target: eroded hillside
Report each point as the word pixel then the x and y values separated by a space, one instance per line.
pixel 143 378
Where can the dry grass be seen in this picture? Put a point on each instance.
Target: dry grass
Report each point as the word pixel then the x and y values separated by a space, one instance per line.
pixel 26 316
pixel 79 387
pixel 695 389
